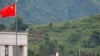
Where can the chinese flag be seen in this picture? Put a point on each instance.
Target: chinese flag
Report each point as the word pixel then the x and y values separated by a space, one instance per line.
pixel 8 11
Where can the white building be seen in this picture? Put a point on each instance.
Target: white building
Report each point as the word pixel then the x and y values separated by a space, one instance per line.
pixel 8 44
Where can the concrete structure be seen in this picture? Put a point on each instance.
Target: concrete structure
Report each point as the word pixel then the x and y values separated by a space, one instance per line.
pixel 8 44
pixel 57 54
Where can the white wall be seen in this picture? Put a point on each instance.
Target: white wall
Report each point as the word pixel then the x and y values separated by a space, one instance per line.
pixel 10 50
pixel 9 38
pixel 2 50
pixel 24 51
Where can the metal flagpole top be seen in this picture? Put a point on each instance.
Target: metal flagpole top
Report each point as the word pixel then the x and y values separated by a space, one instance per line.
pixel 16 0
pixel 16 31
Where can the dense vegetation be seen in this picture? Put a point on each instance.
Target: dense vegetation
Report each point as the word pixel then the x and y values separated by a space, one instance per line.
pixel 69 38
pixel 65 37
pixel 21 26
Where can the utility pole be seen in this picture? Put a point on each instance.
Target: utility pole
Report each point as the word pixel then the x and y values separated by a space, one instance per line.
pixel 79 48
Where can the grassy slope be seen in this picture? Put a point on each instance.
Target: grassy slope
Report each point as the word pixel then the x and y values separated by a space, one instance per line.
pixel 82 27
pixel 86 26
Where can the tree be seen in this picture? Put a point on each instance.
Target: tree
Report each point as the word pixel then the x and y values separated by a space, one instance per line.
pixel 2 27
pixel 73 38
pixel 46 38
pixel 20 25
pixel 94 40
pixel 61 49
pixel 50 25
pixel 52 48
pixel 41 50
pixel 30 53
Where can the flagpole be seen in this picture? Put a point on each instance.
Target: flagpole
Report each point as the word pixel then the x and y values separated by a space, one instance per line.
pixel 16 27
pixel 79 48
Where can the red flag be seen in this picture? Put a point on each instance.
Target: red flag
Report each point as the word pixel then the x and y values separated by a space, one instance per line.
pixel 8 11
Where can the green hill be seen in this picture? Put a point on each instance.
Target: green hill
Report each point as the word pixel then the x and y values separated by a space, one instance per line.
pixel 65 37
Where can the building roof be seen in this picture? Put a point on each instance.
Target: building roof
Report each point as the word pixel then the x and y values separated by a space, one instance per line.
pixel 19 33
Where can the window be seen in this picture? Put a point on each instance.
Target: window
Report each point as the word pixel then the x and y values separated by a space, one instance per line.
pixel 6 50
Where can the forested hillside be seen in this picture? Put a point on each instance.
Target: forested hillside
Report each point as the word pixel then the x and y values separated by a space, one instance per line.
pixel 69 27
pixel 43 11
pixel 67 38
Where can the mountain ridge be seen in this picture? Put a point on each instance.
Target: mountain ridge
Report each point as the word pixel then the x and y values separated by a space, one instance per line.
pixel 44 11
